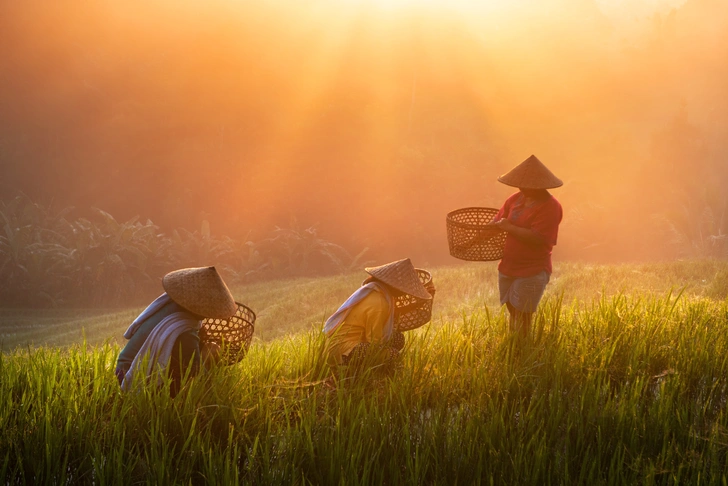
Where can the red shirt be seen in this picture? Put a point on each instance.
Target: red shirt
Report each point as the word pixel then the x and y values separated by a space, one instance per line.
pixel 521 259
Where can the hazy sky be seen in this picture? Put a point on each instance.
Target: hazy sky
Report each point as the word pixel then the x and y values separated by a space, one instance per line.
pixel 623 10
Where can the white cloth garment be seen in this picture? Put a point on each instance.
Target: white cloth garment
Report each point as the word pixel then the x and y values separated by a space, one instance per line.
pixel 154 355
pixel 158 303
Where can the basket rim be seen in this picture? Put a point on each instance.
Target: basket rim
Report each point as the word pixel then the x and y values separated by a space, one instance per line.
pixel 248 309
pixel 429 274
pixel 470 208
pixel 477 259
pixel 226 318
pixel 450 221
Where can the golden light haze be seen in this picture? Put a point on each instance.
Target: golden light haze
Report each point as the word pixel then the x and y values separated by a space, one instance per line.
pixel 373 119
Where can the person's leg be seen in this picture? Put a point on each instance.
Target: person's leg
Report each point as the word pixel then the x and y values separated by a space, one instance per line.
pixel 519 321
pixel 504 287
pixel 366 354
pixel 185 354
pixel 524 296
pixel 512 315
pixel 522 322
pixel 392 360
pixel 357 355
pixel 397 342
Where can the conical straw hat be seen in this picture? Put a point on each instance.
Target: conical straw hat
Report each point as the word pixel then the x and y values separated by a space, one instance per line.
pixel 201 291
pixel 531 174
pixel 402 276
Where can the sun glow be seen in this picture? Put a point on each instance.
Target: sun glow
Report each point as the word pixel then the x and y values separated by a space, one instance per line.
pixel 370 117
pixel 464 6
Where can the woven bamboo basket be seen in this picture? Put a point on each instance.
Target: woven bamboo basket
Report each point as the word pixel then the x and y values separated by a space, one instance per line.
pixel 411 312
pixel 470 239
pixel 233 334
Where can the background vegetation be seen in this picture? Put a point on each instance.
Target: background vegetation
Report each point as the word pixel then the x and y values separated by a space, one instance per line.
pixel 48 258
pixel 372 122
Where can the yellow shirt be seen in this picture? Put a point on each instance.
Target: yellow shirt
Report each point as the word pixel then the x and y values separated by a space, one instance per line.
pixel 364 324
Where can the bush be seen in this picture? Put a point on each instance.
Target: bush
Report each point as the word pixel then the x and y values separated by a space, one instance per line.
pixel 47 259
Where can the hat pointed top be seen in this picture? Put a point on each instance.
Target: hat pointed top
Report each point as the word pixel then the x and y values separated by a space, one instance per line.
pixel 531 174
pixel 402 276
pixel 200 290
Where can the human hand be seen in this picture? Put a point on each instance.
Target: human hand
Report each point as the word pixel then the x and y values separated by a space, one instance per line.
pixel 503 224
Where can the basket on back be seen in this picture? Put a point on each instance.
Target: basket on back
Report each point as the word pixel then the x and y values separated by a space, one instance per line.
pixel 233 334
pixel 412 312
pixel 469 237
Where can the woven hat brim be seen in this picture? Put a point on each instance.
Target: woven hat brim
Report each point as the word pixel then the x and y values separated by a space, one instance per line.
pixel 531 174
pixel 201 291
pixel 524 185
pixel 402 276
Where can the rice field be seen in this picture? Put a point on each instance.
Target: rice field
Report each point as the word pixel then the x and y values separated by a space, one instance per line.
pixel 623 381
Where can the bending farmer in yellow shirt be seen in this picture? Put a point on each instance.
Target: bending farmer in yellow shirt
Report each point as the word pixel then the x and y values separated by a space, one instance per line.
pixel 364 325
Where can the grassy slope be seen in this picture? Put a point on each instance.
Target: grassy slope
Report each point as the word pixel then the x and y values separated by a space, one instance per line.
pixel 620 390
pixel 289 306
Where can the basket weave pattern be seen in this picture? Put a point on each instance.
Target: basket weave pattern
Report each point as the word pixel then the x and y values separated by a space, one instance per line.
pixel 469 238
pixel 411 312
pixel 233 334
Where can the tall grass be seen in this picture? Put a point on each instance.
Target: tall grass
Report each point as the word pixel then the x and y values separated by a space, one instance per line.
pixel 624 389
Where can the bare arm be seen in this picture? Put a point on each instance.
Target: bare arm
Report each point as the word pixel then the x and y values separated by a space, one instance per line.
pixel 524 234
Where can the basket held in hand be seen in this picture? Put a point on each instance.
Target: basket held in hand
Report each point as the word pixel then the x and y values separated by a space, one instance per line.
pixel 411 312
pixel 469 237
pixel 233 334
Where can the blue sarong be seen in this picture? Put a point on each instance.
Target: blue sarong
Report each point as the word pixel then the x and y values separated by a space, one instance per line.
pixel 523 293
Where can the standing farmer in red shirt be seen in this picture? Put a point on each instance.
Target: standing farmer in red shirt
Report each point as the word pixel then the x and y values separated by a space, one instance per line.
pixel 531 218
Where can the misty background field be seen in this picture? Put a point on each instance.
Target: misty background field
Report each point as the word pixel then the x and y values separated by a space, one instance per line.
pixel 292 306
